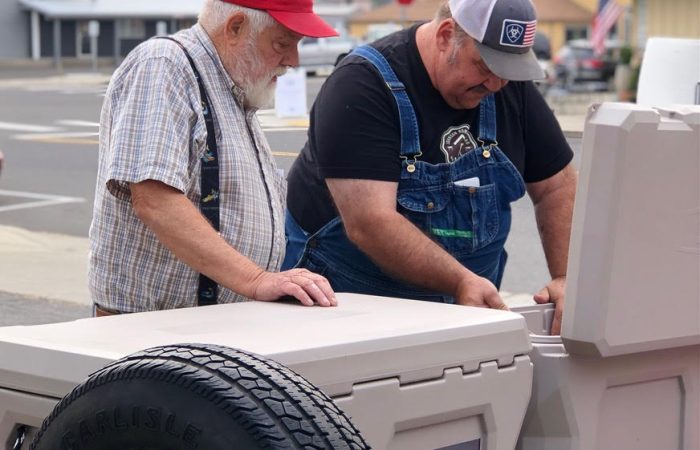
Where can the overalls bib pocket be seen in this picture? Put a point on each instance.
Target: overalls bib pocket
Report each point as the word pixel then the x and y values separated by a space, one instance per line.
pixel 460 219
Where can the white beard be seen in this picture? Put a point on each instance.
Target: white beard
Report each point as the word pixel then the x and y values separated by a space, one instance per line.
pixel 259 92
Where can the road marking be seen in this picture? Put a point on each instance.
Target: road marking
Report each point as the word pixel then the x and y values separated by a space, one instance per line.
pixel 276 129
pixel 40 200
pixel 69 141
pixel 78 123
pixel 286 154
pixel 270 122
pixel 83 138
pixel 63 89
pixel 68 134
pixel 27 128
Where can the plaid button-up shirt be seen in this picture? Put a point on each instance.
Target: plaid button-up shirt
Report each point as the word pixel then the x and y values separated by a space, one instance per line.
pixel 152 128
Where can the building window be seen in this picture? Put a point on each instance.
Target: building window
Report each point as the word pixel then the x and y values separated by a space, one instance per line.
pixel 185 23
pixel 131 29
pixel 576 32
pixel 83 49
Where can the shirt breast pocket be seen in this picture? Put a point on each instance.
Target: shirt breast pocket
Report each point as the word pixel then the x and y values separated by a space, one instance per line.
pixel 461 219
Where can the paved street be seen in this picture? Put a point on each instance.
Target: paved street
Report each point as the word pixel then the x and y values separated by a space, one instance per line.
pixel 48 132
pixel 24 310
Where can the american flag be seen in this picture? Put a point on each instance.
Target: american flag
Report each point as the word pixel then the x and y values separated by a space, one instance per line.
pixel 608 13
pixel 530 29
pixel 516 33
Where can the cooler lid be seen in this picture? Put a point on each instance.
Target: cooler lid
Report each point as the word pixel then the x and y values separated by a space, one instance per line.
pixel 658 84
pixel 364 338
pixel 634 260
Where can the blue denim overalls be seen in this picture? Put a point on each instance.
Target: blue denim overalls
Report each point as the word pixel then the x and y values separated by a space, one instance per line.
pixel 470 222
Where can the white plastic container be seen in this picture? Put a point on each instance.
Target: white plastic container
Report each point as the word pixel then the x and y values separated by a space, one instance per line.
pixel 626 372
pixel 670 72
pixel 411 374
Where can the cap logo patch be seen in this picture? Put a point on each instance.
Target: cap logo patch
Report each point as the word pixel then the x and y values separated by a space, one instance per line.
pixel 516 33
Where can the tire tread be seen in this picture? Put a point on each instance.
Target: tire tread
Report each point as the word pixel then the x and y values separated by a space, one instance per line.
pixel 280 408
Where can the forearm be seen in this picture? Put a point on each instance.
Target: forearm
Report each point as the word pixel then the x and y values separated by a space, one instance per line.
pixel 403 251
pixel 181 228
pixel 553 212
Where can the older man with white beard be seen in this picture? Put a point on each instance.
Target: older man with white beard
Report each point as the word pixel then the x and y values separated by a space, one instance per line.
pixel 189 205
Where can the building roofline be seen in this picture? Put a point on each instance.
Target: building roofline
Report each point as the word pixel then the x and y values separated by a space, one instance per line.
pixel 566 11
pixel 151 9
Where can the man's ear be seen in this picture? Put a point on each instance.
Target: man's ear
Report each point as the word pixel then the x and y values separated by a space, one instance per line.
pixel 236 28
pixel 443 34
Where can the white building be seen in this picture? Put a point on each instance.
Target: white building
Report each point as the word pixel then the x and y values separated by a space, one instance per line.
pixel 61 28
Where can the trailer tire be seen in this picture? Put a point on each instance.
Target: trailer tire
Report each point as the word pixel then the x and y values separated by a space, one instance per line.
pixel 196 396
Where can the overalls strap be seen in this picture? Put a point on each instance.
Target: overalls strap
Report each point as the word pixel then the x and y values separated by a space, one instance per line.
pixel 410 140
pixel 208 182
pixel 487 120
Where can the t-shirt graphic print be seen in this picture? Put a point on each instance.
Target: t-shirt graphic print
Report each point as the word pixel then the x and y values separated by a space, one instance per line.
pixel 457 141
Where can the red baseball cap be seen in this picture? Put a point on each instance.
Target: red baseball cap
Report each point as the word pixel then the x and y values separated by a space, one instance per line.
pixel 297 15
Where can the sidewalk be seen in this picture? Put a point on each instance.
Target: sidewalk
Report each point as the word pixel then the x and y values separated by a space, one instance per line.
pixel 44 265
pixel 14 68
pixel 65 79
pixel 571 109
pixel 571 125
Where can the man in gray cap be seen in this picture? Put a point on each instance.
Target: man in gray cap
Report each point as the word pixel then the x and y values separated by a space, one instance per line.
pixel 418 144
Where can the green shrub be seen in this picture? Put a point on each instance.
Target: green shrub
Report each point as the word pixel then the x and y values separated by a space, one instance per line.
pixel 625 55
pixel 634 82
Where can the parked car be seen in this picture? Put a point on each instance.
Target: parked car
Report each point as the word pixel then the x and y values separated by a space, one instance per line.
pixel 542 47
pixel 317 54
pixel 576 62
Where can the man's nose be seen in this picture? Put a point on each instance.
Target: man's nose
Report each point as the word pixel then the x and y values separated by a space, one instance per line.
pixel 493 83
pixel 291 58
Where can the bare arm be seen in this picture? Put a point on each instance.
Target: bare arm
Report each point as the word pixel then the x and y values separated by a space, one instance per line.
pixel 368 210
pixel 195 242
pixel 554 204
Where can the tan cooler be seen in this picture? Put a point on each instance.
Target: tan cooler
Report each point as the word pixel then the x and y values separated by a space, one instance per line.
pixel 626 373
pixel 412 375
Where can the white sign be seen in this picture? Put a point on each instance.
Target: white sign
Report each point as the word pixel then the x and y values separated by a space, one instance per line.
pixel 93 28
pixel 290 94
pixel 161 28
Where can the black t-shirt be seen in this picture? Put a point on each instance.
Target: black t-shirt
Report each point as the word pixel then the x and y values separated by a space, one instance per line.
pixel 355 131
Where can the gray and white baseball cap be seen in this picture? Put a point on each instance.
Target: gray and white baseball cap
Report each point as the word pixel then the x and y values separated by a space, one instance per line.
pixel 504 31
